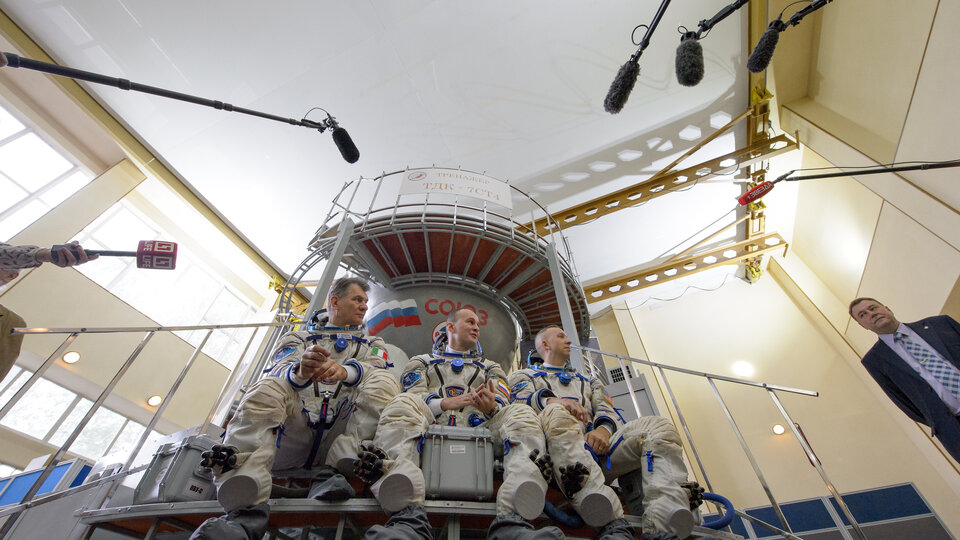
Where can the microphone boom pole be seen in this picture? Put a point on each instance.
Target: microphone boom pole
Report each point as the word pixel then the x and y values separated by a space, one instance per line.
pixel 17 61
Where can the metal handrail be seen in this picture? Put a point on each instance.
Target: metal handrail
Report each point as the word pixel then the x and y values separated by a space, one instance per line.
pixel 29 500
pixel 771 390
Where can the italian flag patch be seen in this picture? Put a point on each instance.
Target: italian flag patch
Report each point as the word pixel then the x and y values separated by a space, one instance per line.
pixel 379 353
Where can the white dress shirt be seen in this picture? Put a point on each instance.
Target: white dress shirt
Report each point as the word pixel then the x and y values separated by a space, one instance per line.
pixel 948 398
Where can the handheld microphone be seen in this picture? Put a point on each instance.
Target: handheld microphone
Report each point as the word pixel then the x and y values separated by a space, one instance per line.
pixel 755 193
pixel 345 144
pixel 689 60
pixel 763 52
pixel 152 254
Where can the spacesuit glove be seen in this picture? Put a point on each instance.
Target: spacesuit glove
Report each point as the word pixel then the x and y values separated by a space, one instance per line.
pixel 572 478
pixel 369 466
pixel 222 457
pixel 544 463
pixel 695 493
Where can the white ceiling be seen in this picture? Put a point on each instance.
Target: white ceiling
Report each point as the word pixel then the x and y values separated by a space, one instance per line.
pixel 511 88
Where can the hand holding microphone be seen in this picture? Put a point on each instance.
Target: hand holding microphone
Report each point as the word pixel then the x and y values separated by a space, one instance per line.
pixel 152 254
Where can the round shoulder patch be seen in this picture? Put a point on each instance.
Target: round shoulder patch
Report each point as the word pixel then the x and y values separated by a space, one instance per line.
pixel 283 353
pixel 409 379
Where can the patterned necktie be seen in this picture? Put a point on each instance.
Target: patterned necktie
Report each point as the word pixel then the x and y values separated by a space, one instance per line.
pixel 943 371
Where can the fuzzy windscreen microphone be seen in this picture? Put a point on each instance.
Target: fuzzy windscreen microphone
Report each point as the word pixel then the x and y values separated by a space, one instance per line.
pixel 345 144
pixel 763 52
pixel 689 60
pixel 622 85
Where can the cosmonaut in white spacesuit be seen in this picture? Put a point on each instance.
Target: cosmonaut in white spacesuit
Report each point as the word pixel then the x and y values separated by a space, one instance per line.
pixel 321 396
pixel 575 410
pixel 457 386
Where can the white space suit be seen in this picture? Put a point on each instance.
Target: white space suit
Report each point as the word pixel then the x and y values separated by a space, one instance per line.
pixel 287 422
pixel 650 444
pixel 427 380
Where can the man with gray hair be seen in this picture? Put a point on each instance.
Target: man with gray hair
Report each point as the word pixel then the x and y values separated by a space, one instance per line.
pixel 575 411
pixel 321 396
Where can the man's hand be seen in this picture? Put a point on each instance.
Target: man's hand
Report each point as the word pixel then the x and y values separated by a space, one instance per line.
pixel 64 256
pixel 483 398
pixel 457 402
pixel 7 275
pixel 599 440
pixel 316 364
pixel 573 407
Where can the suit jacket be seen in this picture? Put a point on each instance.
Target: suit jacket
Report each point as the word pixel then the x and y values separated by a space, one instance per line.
pixel 908 390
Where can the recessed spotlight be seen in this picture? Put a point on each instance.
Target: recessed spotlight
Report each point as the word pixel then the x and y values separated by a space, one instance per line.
pixel 743 368
pixel 779 429
pixel 71 357
pixel 154 400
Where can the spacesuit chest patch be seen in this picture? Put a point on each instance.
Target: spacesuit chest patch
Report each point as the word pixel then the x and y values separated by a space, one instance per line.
pixel 518 387
pixel 453 391
pixel 283 353
pixel 409 379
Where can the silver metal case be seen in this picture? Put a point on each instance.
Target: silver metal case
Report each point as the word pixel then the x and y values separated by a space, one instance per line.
pixel 457 463
pixel 175 474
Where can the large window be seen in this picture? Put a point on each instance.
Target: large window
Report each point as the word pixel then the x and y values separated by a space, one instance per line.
pixel 49 412
pixel 34 177
pixel 193 294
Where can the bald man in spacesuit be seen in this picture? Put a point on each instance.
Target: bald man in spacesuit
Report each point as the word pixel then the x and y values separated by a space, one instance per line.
pixel 575 411
pixel 457 386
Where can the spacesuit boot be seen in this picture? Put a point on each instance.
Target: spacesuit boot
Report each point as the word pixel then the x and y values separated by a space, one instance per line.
pixel 524 487
pixel 248 523
pixel 579 476
pixel 653 442
pixel 402 423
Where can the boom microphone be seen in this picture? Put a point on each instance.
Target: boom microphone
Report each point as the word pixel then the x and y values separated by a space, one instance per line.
pixel 622 85
pixel 689 60
pixel 690 53
pixel 153 254
pixel 345 144
pixel 763 52
pixel 626 78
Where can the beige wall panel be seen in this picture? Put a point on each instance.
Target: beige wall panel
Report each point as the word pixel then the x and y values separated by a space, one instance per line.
pixel 834 226
pixel 608 334
pixel 933 123
pixel 845 425
pixel 50 297
pixel 937 217
pixel 853 75
pixel 909 270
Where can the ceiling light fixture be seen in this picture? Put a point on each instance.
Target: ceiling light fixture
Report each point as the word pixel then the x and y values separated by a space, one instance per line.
pixel 779 429
pixel 154 400
pixel 71 357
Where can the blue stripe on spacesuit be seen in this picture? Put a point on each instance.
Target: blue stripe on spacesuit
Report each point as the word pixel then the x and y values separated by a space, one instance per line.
pixel 357 365
pixel 293 383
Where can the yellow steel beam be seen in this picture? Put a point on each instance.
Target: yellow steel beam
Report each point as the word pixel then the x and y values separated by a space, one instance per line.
pixel 661 184
pixel 677 268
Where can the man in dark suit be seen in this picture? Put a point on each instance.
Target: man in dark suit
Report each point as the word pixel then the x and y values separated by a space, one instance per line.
pixel 918 366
